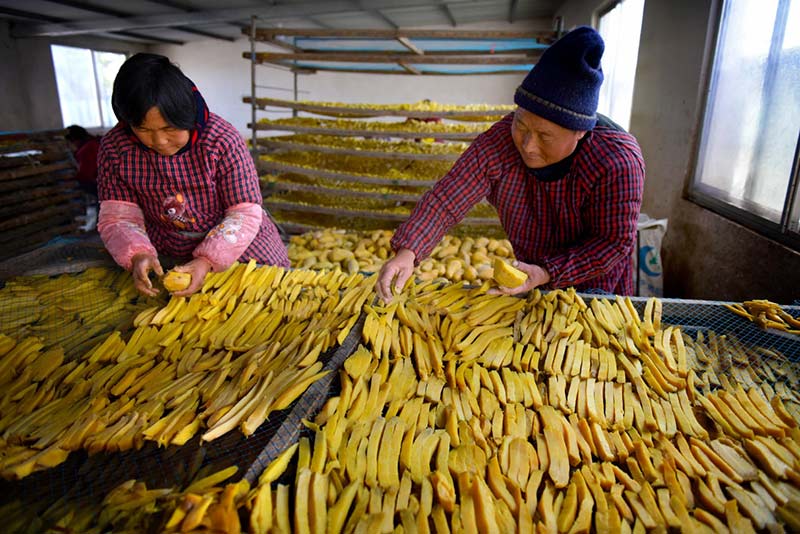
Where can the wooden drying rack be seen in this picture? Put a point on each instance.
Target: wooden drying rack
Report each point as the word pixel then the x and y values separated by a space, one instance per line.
pixel 413 55
pixel 38 191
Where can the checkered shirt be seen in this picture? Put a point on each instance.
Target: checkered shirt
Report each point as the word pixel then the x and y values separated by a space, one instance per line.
pixel 581 228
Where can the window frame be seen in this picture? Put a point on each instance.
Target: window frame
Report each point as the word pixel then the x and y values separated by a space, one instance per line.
pixel 781 232
pixel 126 54
pixel 601 11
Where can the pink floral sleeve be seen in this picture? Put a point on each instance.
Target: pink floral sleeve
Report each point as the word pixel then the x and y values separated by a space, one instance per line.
pixel 227 241
pixel 121 227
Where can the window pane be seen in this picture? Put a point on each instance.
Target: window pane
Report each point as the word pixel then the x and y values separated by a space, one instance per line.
pixel 620 28
pixel 753 112
pixel 107 65
pixel 77 93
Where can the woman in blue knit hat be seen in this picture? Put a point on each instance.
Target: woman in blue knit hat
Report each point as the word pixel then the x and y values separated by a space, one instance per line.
pixel 566 183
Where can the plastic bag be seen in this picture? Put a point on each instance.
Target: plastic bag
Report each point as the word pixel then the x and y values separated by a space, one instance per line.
pixel 647 259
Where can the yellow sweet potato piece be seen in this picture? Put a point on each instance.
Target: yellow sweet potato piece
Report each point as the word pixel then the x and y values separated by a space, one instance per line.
pixel 175 281
pixel 506 275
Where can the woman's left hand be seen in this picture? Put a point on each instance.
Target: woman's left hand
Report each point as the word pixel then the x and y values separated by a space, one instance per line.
pixel 537 276
pixel 198 268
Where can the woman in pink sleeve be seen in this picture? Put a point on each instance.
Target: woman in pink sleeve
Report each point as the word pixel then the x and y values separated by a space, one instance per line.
pixel 177 180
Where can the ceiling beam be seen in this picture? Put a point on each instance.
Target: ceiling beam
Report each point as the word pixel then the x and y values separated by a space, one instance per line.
pixel 380 14
pixel 121 14
pixel 204 33
pixel 127 36
pixel 449 15
pixel 188 9
pixel 318 22
pixel 151 38
pixel 409 33
pixel 27 15
pixel 375 12
pixel 210 16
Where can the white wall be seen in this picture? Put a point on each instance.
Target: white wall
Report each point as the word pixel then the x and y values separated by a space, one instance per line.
pixel 223 76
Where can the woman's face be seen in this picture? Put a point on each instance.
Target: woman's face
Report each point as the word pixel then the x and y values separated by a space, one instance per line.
pixel 541 142
pixel 157 134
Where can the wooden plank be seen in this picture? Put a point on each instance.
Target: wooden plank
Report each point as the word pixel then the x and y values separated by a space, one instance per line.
pixel 532 52
pixel 34 170
pixel 20 244
pixel 293 228
pixel 325 210
pixel 303 70
pixel 47 214
pixel 268 143
pixel 356 112
pixel 275 42
pixel 539 35
pixel 47 156
pixel 335 192
pixel 14 235
pixel 473 58
pixel 265 166
pixel 408 68
pixel 411 47
pixel 453 136
pixel 36 134
pixel 9 208
pixel 14 185
pixel 367 214
pixel 21 196
pixel 28 146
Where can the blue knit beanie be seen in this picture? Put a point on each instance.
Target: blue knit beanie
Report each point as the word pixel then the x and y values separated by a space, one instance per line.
pixel 563 86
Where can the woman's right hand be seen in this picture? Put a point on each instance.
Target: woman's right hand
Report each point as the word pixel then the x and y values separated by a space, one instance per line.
pixel 395 271
pixel 141 265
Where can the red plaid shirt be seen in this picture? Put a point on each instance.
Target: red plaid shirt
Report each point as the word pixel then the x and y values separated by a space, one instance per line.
pixel 186 195
pixel 581 228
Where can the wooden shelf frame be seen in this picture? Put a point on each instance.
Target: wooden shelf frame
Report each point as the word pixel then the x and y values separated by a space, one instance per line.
pixel 274 166
pixel 383 216
pixel 266 142
pixel 356 112
pixel 334 191
pixel 285 59
pixel 337 191
pixel 455 136
pixel 408 59
pixel 39 197
pixel 268 35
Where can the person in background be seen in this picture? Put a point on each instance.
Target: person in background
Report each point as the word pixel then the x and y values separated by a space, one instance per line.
pixel 567 184
pixel 84 147
pixel 178 180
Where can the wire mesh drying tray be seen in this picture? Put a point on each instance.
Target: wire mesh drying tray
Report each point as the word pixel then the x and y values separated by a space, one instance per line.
pixel 88 479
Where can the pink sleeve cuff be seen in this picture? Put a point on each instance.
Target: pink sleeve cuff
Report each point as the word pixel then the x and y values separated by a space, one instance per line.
pixel 227 241
pixel 121 227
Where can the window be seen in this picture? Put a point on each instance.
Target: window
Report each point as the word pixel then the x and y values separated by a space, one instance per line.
pixel 749 144
pixel 620 26
pixel 85 79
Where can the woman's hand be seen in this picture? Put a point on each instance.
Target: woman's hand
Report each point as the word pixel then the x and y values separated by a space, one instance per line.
pixel 537 276
pixel 141 265
pixel 395 271
pixel 198 268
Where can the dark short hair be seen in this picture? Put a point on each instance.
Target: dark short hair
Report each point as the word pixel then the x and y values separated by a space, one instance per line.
pixel 77 133
pixel 149 80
